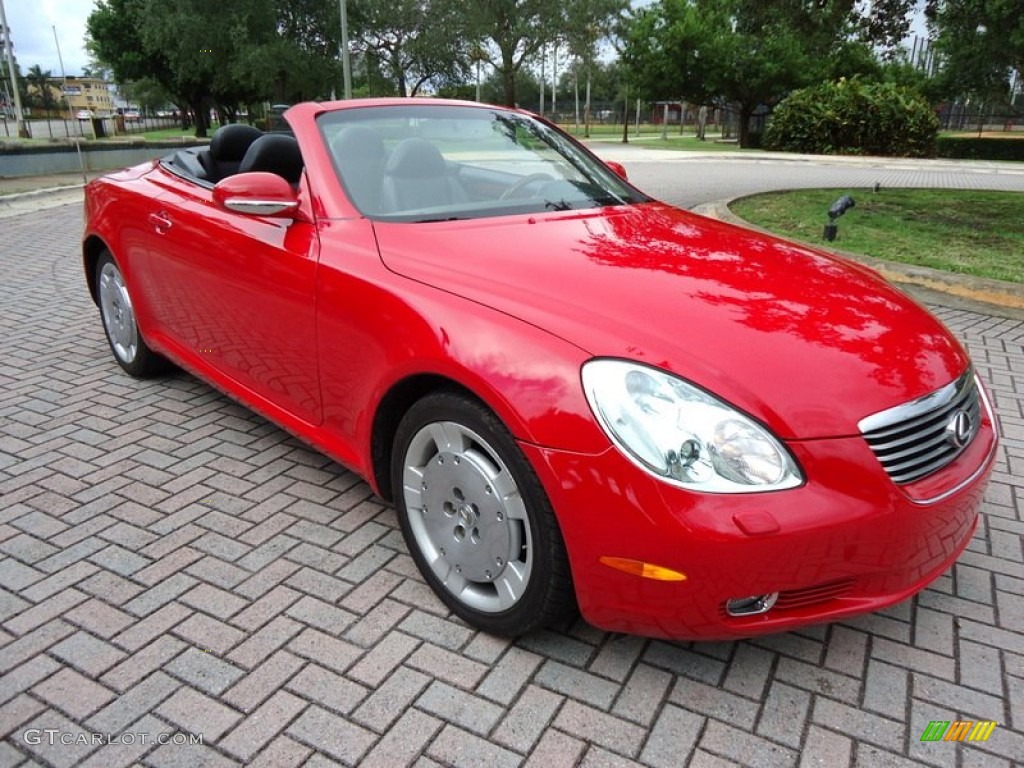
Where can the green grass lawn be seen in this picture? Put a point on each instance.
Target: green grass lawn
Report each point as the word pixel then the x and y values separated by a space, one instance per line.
pixel 973 233
pixel 163 134
pixel 650 136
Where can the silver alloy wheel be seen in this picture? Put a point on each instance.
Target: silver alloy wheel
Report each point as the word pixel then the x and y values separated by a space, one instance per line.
pixel 467 516
pixel 118 315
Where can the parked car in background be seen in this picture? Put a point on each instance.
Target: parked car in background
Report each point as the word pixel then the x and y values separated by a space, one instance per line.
pixel 132 116
pixel 574 394
pixel 83 114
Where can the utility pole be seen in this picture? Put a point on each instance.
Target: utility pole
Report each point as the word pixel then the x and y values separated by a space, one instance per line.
pixel 346 64
pixel 67 100
pixel 19 119
pixel 543 87
pixel 554 81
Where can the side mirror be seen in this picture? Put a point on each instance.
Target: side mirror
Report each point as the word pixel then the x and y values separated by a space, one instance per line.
pixel 257 194
pixel 618 169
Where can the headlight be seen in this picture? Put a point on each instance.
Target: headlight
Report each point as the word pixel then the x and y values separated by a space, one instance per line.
pixel 684 435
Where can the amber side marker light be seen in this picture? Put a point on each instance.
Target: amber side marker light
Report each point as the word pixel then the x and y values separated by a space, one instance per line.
pixel 642 569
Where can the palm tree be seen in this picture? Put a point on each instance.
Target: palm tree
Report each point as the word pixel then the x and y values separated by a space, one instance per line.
pixel 40 82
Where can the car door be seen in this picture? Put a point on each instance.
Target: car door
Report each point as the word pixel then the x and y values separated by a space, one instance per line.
pixel 237 293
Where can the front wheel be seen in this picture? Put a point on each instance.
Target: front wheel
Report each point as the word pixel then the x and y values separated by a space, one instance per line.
pixel 119 322
pixel 476 519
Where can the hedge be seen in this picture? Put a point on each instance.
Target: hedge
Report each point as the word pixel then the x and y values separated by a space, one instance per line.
pixel 851 117
pixel 973 148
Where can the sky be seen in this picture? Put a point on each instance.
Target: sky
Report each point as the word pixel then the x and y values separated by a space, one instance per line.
pixel 32 25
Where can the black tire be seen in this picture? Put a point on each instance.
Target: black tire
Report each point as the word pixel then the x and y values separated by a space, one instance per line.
pixel 476 518
pixel 119 324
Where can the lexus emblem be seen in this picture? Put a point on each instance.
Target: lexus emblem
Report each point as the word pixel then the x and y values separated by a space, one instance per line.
pixel 959 428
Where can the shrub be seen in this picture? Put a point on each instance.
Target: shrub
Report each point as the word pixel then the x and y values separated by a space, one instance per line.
pixel 854 118
pixel 973 148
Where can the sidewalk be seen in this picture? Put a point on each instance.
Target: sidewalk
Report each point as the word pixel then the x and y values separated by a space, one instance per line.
pixel 17 185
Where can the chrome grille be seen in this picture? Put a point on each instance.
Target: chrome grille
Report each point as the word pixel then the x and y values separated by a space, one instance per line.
pixel 921 437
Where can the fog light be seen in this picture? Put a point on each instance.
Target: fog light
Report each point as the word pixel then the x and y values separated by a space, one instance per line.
pixel 751 606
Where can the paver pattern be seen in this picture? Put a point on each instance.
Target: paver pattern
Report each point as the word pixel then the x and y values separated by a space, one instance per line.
pixel 172 564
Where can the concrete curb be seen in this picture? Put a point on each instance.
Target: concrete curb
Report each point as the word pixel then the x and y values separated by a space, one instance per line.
pixel 992 293
pixel 39 199
pixel 44 192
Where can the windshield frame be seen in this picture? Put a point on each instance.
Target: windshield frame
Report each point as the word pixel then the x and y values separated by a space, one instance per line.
pixel 590 183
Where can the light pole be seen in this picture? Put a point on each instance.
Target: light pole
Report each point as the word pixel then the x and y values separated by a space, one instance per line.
pixel 981 31
pixel 19 120
pixel 346 64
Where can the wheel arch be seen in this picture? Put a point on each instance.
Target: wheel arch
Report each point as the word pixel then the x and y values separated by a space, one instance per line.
pixel 92 247
pixel 390 410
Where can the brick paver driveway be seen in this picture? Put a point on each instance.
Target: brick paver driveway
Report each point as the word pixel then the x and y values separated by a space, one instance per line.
pixel 173 566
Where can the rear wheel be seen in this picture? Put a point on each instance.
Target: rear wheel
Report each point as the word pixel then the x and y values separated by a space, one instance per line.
pixel 476 519
pixel 119 322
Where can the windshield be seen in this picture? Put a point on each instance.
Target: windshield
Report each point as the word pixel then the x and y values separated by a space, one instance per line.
pixel 440 163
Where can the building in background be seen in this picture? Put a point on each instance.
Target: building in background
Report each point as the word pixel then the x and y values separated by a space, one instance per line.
pixel 85 94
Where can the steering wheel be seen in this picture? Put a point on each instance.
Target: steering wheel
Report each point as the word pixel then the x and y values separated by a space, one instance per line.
pixel 524 182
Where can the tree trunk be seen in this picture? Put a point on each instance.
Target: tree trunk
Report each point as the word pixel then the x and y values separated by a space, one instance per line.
pixel 543 84
pixel 403 87
pixel 508 78
pixel 576 92
pixel 746 112
pixel 586 108
pixel 625 117
pixel 202 117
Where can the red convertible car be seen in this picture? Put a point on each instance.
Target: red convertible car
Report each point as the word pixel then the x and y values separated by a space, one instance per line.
pixel 574 395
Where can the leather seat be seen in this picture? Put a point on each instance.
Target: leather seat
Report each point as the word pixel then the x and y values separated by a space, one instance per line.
pixel 416 176
pixel 274 153
pixel 359 155
pixel 227 148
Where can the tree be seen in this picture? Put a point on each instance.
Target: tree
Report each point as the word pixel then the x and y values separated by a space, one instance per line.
pixel 492 89
pixel 586 23
pixel 40 88
pixel 752 53
pixel 979 43
pixel 220 55
pixel 514 30
pixel 415 41
pixel 146 93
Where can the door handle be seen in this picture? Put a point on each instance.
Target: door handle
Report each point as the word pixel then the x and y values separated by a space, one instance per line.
pixel 160 222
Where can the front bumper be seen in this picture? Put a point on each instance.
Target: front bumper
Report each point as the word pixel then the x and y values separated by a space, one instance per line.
pixel 849 541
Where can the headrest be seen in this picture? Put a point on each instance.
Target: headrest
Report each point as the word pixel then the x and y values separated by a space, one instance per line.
pixel 357 142
pixel 274 153
pixel 416 158
pixel 230 142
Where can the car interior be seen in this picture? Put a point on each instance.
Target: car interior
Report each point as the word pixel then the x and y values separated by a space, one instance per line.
pixel 238 148
pixel 388 173
pixel 435 174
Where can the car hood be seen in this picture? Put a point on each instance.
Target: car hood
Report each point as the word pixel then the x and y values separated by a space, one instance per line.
pixel 808 343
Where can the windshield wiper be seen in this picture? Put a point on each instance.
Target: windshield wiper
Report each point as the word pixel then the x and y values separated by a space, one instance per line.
pixel 438 218
pixel 561 205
